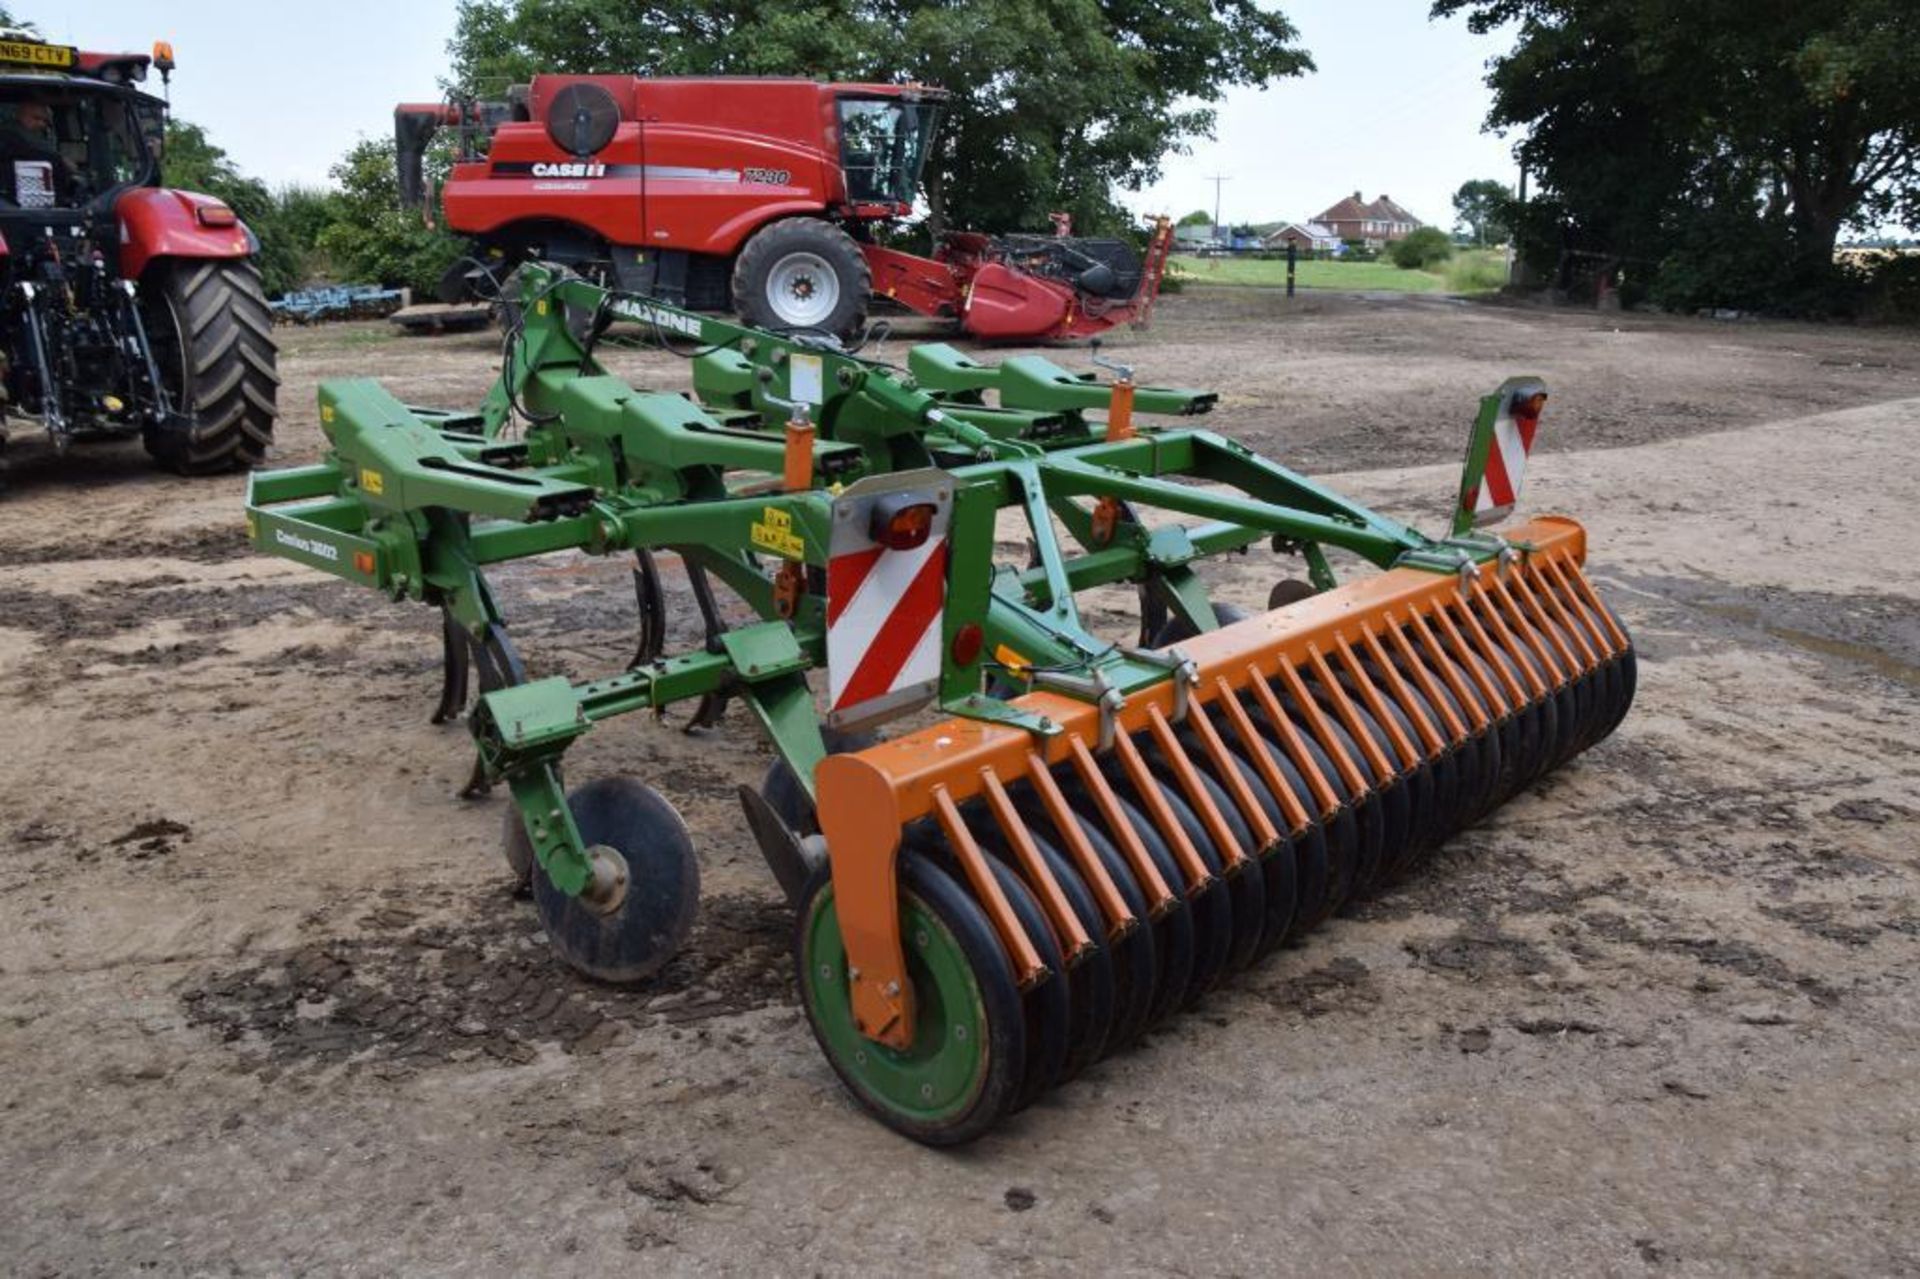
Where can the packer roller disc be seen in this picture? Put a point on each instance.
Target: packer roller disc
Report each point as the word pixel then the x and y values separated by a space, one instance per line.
pixel 1174 945
pixel 969 1044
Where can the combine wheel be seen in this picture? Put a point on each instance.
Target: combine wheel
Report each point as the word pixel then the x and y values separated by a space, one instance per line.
pixel 646 886
pixel 969 1044
pixel 802 274
pixel 212 338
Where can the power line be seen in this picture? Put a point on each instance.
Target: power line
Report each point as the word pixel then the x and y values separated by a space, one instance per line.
pixel 1217 179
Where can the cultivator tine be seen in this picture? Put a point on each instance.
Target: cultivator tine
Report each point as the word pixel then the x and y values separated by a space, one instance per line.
pixel 1518 693
pixel 1493 680
pixel 1120 919
pixel 1154 803
pixel 455 663
pixel 1456 732
pixel 1349 717
pixel 1297 817
pixel 1401 694
pixel 651 603
pixel 1028 969
pixel 1582 589
pixel 1376 704
pixel 1545 599
pixel 1265 834
pixel 1160 897
pixel 1290 740
pixel 1500 600
pixel 1075 944
pixel 1544 623
pixel 1198 797
pixel 1479 715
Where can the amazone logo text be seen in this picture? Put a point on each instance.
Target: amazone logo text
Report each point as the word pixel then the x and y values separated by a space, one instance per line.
pixel 660 317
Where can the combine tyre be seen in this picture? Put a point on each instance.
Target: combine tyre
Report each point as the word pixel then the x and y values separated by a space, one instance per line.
pixel 212 336
pixel 1092 831
pixel 802 274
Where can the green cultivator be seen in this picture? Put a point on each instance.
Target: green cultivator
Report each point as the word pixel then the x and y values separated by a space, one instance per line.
pixel 1077 835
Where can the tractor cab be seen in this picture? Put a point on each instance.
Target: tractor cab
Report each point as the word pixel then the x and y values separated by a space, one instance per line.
pixel 69 145
pixel 75 135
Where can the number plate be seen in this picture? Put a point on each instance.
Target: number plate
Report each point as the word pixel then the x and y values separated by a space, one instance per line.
pixel 38 55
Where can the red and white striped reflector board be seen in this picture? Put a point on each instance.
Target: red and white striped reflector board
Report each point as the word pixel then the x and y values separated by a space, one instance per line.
pixel 1502 446
pixel 886 609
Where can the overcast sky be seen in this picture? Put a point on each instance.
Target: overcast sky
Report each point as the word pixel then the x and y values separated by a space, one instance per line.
pixel 1395 107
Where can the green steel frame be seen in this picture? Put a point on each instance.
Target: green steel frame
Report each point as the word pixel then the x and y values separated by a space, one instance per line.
pixel 563 456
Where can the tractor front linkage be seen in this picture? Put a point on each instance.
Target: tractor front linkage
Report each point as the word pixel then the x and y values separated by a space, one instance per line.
pixel 1086 833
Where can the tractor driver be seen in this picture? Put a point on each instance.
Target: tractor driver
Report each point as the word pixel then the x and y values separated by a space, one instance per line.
pixel 28 142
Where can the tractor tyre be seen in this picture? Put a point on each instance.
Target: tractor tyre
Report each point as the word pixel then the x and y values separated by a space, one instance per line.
pixel 212 338
pixel 802 274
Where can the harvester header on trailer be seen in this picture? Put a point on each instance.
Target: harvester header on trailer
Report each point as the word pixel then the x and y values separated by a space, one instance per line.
pixel 1077 833
pixel 752 194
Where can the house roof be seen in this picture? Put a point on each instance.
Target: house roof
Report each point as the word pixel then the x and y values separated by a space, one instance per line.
pixel 1384 207
pixel 1312 230
pixel 1355 209
pixel 1351 209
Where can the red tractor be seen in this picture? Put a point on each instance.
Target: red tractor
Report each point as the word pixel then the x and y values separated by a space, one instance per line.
pixel 128 309
pixel 758 196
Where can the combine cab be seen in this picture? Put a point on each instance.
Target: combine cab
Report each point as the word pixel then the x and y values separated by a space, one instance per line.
pixel 1081 833
pixel 127 309
pixel 758 196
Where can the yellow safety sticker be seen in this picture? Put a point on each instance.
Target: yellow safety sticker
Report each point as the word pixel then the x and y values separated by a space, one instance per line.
pixel 773 531
pixel 372 481
pixel 253 527
pixel 1010 659
pixel 326 412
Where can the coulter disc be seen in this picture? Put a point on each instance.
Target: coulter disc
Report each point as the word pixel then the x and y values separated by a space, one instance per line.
pixel 647 884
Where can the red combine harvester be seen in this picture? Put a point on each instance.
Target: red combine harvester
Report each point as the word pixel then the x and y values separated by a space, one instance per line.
pixel 758 196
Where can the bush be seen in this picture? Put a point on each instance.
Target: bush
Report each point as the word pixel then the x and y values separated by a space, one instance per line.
pixel 1476 271
pixel 1893 288
pixel 1357 251
pixel 372 239
pixel 1426 247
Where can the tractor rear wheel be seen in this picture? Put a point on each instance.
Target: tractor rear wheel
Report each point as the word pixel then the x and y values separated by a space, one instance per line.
pixel 802 273
pixel 212 337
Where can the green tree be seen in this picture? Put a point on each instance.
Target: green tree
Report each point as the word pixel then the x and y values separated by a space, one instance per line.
pixel 1199 217
pixel 1055 102
pixel 1422 248
pixel 369 237
pixel 1483 210
pixel 1656 125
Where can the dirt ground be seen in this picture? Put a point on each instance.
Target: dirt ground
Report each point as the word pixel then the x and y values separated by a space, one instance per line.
pixel 266 1004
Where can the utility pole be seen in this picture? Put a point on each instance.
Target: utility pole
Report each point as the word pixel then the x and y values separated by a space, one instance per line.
pixel 1217 179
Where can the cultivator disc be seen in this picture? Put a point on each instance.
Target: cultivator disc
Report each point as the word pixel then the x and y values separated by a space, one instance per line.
pixel 1301 759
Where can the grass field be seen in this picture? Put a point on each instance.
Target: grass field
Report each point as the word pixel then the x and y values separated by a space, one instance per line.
pixel 1472 271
